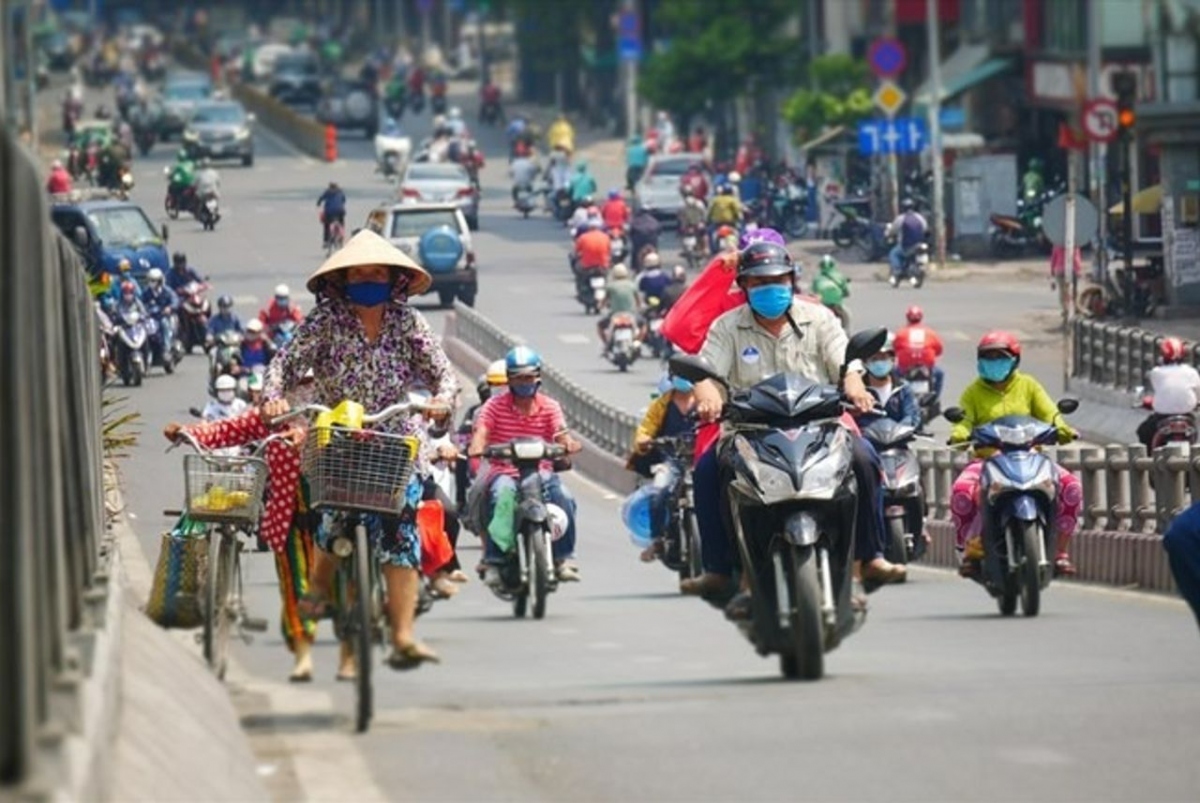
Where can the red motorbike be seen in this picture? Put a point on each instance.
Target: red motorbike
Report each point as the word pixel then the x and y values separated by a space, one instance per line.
pixel 194 312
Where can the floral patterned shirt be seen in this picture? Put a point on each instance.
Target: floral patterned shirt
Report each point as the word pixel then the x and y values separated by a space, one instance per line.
pixel 332 342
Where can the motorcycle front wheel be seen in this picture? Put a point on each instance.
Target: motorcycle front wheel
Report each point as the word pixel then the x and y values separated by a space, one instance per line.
pixel 1032 540
pixel 803 653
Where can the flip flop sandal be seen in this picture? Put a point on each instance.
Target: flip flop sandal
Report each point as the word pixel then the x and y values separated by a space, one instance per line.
pixel 300 677
pixel 410 656
pixel 740 608
pixel 347 677
pixel 312 608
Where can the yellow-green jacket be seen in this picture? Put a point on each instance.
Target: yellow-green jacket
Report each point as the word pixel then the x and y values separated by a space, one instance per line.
pixel 1021 395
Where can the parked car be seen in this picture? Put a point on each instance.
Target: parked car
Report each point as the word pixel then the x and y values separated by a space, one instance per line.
pixel 108 230
pixel 422 230
pixel 658 189
pixel 262 63
pixel 180 95
pixel 350 104
pixel 221 130
pixel 296 79
pixel 442 182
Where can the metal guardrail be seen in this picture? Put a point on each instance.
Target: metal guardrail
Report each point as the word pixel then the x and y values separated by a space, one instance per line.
pixel 1117 357
pixel 604 425
pixel 52 554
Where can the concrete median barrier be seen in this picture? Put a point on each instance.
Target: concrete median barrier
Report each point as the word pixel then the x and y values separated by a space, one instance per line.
pixel 304 133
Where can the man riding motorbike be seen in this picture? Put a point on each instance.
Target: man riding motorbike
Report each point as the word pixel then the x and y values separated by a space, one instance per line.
pixel 523 411
pixel 674 289
pixel 615 211
pixel 257 348
pixel 225 402
pixel 208 180
pixel 832 287
pixel 910 229
pixel 161 303
pixel 181 275
pixel 918 346
pixel 1175 386
pixel 181 181
pixel 583 184
pixel 669 415
pixel 561 136
pixel 895 396
pixel 724 211
pixel 593 253
pixel 643 233
pixel 653 279
pixel 585 216
pixel 776 332
pixel 333 207
pixel 622 297
pixel 226 320
pixel 117 286
pixel 1002 390
pixel 694 182
pixel 524 172
pixel 280 309
pixel 59 180
pixel 692 213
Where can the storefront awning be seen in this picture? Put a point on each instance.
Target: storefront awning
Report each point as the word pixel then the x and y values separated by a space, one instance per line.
pixel 1144 202
pixel 968 67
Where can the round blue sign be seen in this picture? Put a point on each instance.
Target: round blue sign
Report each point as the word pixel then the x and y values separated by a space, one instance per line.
pixel 887 57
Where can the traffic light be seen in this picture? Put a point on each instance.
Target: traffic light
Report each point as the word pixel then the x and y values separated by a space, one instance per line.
pixel 1125 86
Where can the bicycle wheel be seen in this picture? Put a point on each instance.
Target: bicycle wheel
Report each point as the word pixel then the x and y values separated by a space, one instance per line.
pixel 217 615
pixel 362 625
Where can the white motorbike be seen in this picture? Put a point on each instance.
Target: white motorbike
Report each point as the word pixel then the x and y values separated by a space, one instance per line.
pixel 391 155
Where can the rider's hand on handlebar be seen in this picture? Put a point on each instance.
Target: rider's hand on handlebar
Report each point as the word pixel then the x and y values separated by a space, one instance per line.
pixel 572 446
pixel 863 400
pixel 708 402
pixel 171 431
pixel 642 444
pixel 447 452
pixel 275 408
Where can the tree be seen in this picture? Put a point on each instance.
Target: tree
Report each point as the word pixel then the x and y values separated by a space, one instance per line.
pixel 841 96
pixel 717 49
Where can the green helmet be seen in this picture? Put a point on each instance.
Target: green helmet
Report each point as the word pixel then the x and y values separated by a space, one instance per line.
pixel 828 263
pixel 182 156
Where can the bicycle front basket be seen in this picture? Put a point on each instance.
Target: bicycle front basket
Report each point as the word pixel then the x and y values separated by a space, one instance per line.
pixel 224 488
pixel 359 470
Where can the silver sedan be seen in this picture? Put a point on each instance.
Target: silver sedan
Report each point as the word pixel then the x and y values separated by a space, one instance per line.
pixel 442 182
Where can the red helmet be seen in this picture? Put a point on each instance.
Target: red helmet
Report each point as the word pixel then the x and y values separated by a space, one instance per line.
pixel 1172 350
pixel 998 340
pixel 914 314
pixel 128 287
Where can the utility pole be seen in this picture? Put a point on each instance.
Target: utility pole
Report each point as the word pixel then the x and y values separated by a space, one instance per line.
pixel 814 38
pixel 30 78
pixel 933 30
pixel 630 69
pixel 1097 172
pixel 893 170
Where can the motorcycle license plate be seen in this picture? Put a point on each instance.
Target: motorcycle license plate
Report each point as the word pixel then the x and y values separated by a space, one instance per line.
pixel 597 282
pixel 623 335
pixel 656 325
pixel 922 259
pixel 920 386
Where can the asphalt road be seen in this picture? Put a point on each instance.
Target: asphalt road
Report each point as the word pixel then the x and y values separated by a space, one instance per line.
pixel 627 691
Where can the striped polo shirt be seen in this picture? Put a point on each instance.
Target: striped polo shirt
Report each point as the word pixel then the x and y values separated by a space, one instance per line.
pixel 504 422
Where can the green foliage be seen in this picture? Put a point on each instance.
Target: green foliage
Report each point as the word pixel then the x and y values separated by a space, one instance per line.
pixel 841 96
pixel 717 49
pixel 117 430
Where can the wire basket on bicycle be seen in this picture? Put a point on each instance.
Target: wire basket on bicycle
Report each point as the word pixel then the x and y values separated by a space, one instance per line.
pixel 360 470
pixel 224 488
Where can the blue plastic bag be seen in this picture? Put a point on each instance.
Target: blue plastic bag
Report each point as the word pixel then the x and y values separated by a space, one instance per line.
pixel 635 512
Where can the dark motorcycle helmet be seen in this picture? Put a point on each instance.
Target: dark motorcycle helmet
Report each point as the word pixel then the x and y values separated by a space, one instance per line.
pixel 179 259
pixel 764 259
pixel 225 303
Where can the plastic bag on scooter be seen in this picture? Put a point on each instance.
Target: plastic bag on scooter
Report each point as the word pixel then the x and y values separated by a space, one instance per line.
pixel 635 513
pixel 436 550
pixel 712 294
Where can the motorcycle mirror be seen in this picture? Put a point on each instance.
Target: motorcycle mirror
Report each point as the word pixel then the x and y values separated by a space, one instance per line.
pixel 954 415
pixel 165 234
pixel 865 343
pixel 195 411
pixel 694 369
pixel 1068 405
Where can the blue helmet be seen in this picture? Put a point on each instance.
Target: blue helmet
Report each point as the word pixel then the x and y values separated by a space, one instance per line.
pixel 522 361
pixel 614 195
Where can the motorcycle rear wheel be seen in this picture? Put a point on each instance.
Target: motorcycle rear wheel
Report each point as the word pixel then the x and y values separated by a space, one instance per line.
pixel 541 568
pixel 897 546
pixel 803 656
pixel 843 235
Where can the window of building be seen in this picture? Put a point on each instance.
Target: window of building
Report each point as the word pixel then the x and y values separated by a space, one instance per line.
pixel 1064 26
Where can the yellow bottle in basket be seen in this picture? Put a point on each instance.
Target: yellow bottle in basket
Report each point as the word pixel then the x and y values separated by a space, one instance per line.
pixel 348 415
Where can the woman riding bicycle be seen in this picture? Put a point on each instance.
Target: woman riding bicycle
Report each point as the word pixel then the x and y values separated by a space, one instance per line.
pixel 363 342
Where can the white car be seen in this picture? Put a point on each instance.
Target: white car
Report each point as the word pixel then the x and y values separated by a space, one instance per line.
pixel 449 257
pixel 442 182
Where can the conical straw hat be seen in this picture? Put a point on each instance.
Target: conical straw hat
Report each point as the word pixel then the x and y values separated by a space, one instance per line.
pixel 368 248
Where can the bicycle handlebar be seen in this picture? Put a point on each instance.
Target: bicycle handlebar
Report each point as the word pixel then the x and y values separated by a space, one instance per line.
pixel 373 418
pixel 259 446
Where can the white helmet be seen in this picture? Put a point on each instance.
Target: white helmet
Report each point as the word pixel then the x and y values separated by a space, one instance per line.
pixel 225 382
pixel 282 291
pixel 558 520
pixel 455 113
pixel 619 271
pixel 254 325
pixel 155 276
pixel 651 260
pixel 734 177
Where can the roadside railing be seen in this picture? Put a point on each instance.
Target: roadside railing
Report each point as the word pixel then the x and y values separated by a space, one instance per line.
pixel 606 426
pixel 1117 357
pixel 54 549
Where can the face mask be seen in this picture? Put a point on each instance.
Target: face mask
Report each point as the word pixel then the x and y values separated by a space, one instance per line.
pixel 996 369
pixel 225 396
pixel 682 385
pixel 880 369
pixel 369 294
pixel 524 391
pixel 282 303
pixel 770 300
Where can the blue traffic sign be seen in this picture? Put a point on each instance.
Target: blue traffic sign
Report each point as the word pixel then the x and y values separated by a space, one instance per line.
pixel 629 36
pixel 952 117
pixel 887 57
pixel 902 135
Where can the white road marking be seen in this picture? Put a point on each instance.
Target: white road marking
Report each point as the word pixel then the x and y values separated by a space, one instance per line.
pixel 575 339
pixel 604 645
pixel 292 150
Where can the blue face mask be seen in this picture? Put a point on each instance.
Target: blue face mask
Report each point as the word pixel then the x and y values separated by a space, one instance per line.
pixel 880 369
pixel 682 385
pixel 369 294
pixel 996 369
pixel 770 300
pixel 524 391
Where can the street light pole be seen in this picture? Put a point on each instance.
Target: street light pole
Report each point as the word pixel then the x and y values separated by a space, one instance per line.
pixel 1098 169
pixel 935 129
pixel 631 78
